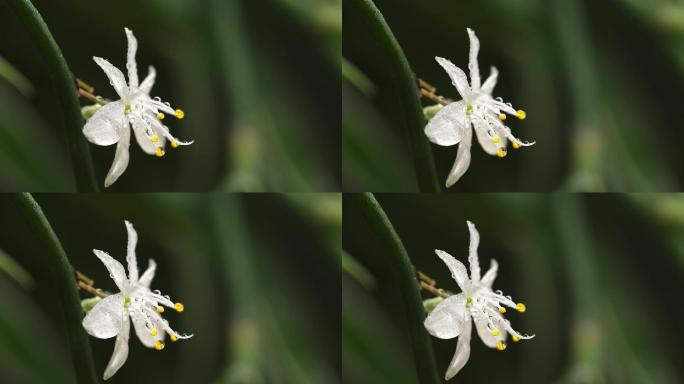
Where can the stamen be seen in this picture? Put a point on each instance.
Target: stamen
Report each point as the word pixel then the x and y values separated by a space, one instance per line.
pixel 501 152
pixel 502 117
pixel 515 338
pixel 502 310
pixel 515 145
pixel 179 307
pixel 174 338
pixel 159 152
pixel 160 309
pixel 520 307
pixel 495 332
pixel 154 138
pixel 521 114
pixel 174 144
pixel 158 345
pixel 160 116
pixel 500 345
pixel 153 332
pixel 180 114
pixel 496 139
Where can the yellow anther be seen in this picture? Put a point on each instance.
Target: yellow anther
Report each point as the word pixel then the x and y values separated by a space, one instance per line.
pixel 154 138
pixel 158 345
pixel 160 309
pixel 502 117
pixel 173 338
pixel 174 144
pixel 516 338
pixel 515 145
pixel 153 331
pixel 159 152
pixel 520 307
pixel 160 116
pixel 521 114
pixel 501 152
pixel 500 345
pixel 502 310
pixel 495 332
pixel 180 114
pixel 495 139
pixel 179 307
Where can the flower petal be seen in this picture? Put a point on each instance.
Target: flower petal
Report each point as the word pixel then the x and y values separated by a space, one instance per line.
pixel 462 352
pixel 131 65
pixel 144 334
pixel 490 83
pixel 116 270
pixel 104 320
pixel 447 319
pixel 472 60
pixel 146 278
pixel 462 158
pixel 147 145
pixel 458 270
pixel 486 335
pixel 458 77
pixel 103 127
pixel 116 77
pixel 148 82
pixel 120 349
pixel 488 278
pixel 120 162
pixel 485 139
pixel 131 260
pixel 472 253
pixel 447 126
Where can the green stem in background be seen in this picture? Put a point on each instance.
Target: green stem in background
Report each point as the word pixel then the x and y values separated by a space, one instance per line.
pixel 65 91
pixel 404 276
pixel 55 260
pixel 395 62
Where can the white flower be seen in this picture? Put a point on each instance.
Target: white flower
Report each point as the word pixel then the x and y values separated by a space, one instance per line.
pixel 110 316
pixel 451 125
pixel 110 124
pixel 477 302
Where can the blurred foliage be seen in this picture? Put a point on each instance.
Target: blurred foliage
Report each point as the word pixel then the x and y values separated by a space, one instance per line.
pixel 601 292
pixel 258 82
pixel 256 274
pixel 600 81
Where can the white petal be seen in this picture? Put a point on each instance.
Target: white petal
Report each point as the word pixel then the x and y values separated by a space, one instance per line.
pixel 472 253
pixel 488 278
pixel 462 352
pixel 131 66
pixel 146 278
pixel 458 77
pixel 486 335
pixel 457 269
pixel 462 158
pixel 149 147
pixel 144 334
pixel 472 60
pixel 447 126
pixel 130 252
pixel 146 85
pixel 103 127
pixel 116 77
pixel 447 319
pixel 120 162
pixel 485 138
pixel 120 349
pixel 116 270
pixel 104 320
pixel 490 83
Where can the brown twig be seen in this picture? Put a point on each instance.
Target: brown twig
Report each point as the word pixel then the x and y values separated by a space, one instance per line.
pixel 424 84
pixel 432 97
pixel 425 278
pixel 85 86
pixel 91 290
pixel 84 278
pixel 91 97
pixel 432 289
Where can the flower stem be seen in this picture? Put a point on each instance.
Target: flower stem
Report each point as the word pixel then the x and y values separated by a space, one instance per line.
pixel 66 92
pixel 404 277
pixel 392 59
pixel 57 263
